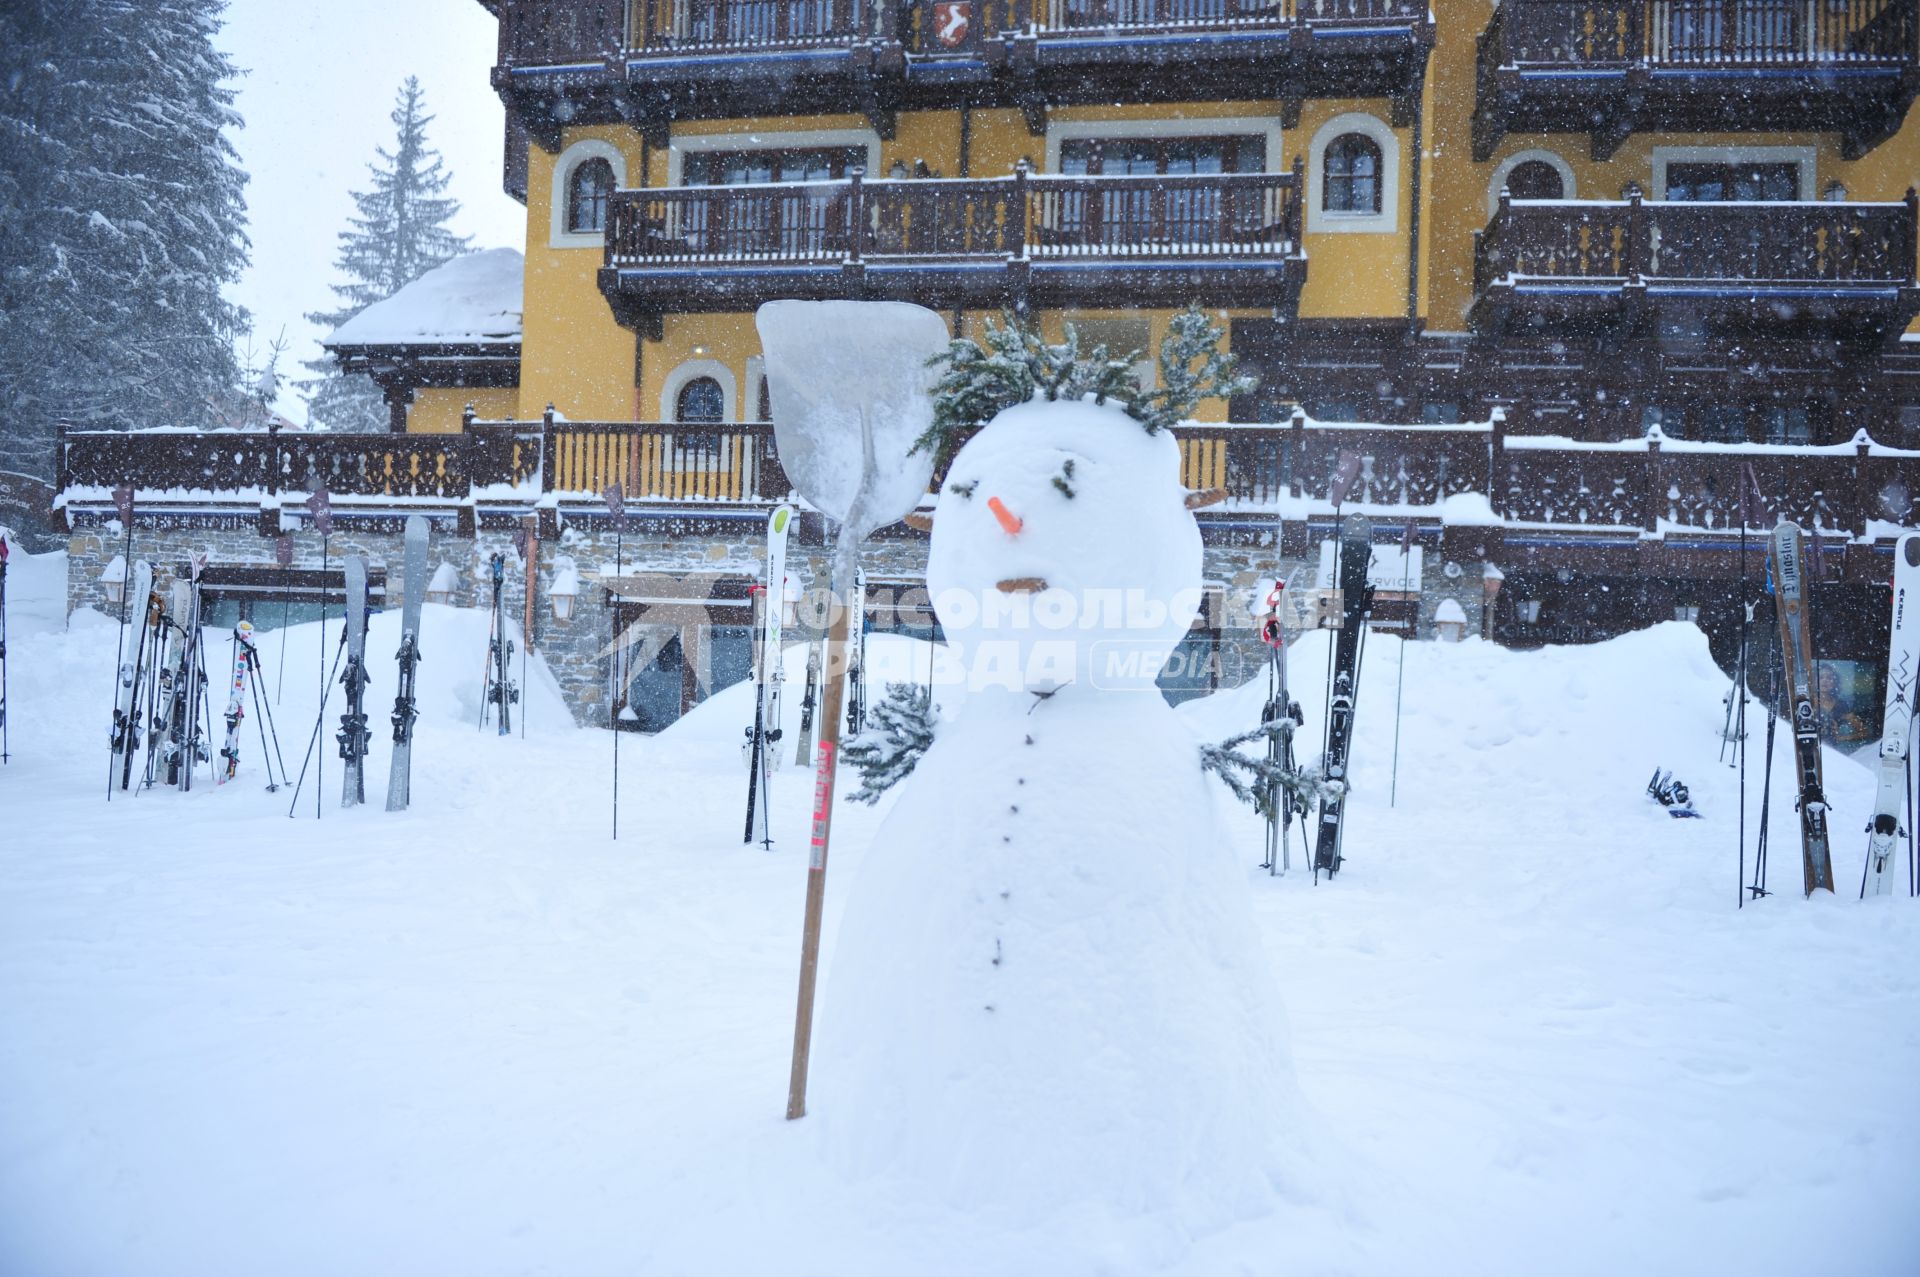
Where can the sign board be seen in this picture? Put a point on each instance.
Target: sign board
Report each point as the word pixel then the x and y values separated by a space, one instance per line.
pixel 1388 571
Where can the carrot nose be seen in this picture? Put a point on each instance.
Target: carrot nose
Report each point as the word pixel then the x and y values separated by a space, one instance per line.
pixel 1008 519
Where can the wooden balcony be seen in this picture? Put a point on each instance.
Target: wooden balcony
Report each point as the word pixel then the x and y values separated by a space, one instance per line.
pixel 1223 240
pixel 1611 67
pixel 653 61
pixel 1631 267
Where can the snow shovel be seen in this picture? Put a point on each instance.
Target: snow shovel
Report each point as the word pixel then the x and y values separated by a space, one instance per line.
pixel 849 385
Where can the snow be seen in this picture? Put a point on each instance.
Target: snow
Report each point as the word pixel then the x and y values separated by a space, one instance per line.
pixel 477 1037
pixel 473 299
pixel 849 383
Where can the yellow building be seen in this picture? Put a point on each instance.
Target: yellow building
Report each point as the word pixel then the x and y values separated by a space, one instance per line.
pixel 1326 174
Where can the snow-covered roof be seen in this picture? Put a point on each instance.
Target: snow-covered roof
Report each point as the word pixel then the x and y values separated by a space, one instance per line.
pixel 472 300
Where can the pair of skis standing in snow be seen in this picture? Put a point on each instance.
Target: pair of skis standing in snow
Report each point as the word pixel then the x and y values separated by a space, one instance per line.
pixel 764 747
pixel 1355 604
pixel 354 736
pixel 1792 604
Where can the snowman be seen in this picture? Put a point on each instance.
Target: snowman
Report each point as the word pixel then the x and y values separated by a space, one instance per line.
pixel 1048 993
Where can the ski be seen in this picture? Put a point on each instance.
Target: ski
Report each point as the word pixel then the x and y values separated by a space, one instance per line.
pixel 125 735
pixel 236 703
pixel 1791 599
pixel 500 690
pixel 169 722
pixel 803 751
pixel 763 737
pixel 1281 807
pixel 857 657
pixel 194 674
pixel 1356 602
pixel 354 735
pixel 400 775
pixel 1896 723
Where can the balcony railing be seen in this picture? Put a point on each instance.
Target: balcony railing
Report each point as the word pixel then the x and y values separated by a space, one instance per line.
pixel 1703 33
pixel 1751 248
pixel 1635 487
pixel 713 26
pixel 1024 216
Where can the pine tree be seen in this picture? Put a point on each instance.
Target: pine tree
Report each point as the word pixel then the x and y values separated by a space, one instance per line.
pixel 899 730
pixel 399 234
pixel 1016 364
pixel 122 217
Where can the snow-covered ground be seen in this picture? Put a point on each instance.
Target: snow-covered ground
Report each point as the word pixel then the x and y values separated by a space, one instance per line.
pixel 1533 1031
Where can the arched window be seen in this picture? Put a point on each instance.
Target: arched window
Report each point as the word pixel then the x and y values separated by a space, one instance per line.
pixel 1535 180
pixel 588 191
pixel 701 401
pixel 1351 175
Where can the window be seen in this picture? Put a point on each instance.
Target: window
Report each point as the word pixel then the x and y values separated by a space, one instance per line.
pixel 738 168
pixel 1741 180
pixel 588 191
pixel 1350 175
pixel 585 176
pixel 1162 156
pixel 1535 180
pixel 1787 423
pixel 1138 214
pixel 1121 337
pixel 701 401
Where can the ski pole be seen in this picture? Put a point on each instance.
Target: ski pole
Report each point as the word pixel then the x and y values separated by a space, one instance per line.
pixel 263 719
pixel 318 723
pixel 613 699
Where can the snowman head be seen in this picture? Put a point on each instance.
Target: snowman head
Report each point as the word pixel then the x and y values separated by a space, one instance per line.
pixel 1064 551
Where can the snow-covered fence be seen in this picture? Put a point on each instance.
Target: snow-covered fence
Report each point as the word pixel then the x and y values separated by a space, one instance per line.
pixel 1643 484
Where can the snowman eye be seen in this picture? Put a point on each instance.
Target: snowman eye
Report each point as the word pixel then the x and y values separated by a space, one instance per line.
pixel 1064 480
pixel 963 489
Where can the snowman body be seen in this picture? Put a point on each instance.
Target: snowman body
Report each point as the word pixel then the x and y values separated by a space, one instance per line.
pixel 1047 990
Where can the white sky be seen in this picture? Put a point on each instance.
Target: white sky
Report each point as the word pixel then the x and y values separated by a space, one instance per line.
pixel 319 82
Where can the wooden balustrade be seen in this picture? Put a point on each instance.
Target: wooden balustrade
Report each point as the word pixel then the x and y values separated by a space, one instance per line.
pixel 1699 33
pixel 1643 484
pixel 1050 217
pixel 670 26
pixel 1760 245
pixel 666 462
pixel 569 34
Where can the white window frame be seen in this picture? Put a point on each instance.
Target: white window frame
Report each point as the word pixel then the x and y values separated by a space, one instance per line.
pixel 688 371
pixel 1263 126
pixel 1505 168
pixel 1803 156
pixel 558 236
pixel 1387 220
pixel 766 140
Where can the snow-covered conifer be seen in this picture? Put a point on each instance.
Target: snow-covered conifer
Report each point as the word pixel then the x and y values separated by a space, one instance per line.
pixel 1257 781
pixel 1014 363
pixel 899 730
pixel 122 217
pixel 399 234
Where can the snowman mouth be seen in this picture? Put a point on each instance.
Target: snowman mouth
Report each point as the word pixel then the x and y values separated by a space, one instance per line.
pixel 1021 585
